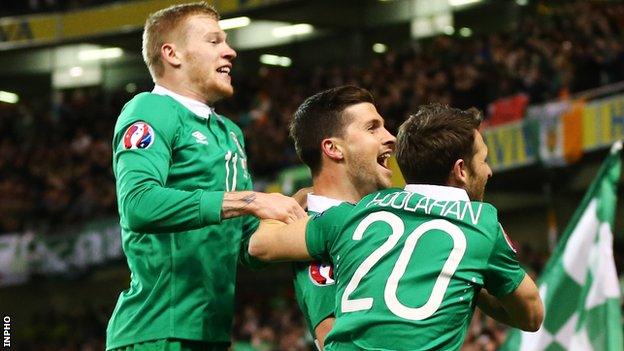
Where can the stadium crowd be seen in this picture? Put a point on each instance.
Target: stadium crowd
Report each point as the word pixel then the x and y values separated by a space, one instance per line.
pixel 55 161
pixel 55 155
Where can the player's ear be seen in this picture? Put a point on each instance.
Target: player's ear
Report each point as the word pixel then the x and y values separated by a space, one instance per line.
pixel 458 176
pixel 331 148
pixel 170 54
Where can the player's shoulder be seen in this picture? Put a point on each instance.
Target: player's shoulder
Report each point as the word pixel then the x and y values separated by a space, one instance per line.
pixel 335 214
pixel 149 103
pixel 488 209
pixel 153 109
pixel 487 215
pixel 341 207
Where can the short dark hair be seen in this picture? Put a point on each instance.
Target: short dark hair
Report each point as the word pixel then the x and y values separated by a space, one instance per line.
pixel 321 116
pixel 430 141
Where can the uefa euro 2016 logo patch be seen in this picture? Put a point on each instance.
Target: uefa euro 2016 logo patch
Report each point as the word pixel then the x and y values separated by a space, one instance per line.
pixel 321 273
pixel 139 135
pixel 510 242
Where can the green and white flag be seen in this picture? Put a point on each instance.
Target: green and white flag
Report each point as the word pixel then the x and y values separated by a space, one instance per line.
pixel 579 286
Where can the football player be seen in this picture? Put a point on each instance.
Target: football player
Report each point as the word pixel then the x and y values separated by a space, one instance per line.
pixel 411 264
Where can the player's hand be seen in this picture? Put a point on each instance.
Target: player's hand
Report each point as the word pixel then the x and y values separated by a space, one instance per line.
pixel 277 206
pixel 262 205
pixel 301 196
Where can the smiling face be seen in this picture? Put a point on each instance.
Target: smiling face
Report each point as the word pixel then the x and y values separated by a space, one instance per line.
pixel 367 146
pixel 207 58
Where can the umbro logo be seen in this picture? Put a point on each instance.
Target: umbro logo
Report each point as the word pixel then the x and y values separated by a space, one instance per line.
pixel 200 138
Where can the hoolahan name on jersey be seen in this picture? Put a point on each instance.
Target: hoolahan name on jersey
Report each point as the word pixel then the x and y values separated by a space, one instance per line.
pixel 413 202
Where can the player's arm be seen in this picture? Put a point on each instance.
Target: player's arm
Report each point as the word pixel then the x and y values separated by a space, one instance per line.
pixel 148 205
pixel 521 309
pixel 250 225
pixel 261 205
pixel 278 241
pixel 145 203
pixel 512 296
pixel 322 329
pixel 303 239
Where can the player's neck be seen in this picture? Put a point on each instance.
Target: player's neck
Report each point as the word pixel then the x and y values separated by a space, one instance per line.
pixel 181 88
pixel 335 187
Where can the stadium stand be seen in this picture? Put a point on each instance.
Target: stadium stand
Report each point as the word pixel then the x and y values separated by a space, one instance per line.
pixel 539 62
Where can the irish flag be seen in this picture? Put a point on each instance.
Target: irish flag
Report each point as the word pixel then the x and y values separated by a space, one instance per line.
pixel 579 286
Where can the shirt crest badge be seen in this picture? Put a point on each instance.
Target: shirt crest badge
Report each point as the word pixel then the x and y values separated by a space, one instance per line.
pixel 321 273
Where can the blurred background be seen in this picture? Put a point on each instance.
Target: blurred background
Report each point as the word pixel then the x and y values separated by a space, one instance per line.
pixel 549 76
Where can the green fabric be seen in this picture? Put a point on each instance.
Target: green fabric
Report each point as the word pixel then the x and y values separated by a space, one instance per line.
pixel 579 286
pixel 173 345
pixel 181 254
pixel 316 299
pixel 244 346
pixel 389 253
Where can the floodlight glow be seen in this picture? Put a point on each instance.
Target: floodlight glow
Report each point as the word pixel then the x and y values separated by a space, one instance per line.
pixel 380 48
pixel 522 2
pixel 449 30
pixel 8 97
pixel 458 3
pixel 465 32
pixel 295 29
pixel 275 60
pixel 100 54
pixel 76 71
pixel 236 22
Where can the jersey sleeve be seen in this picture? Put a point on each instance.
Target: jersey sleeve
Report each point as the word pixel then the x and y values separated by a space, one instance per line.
pixel 323 229
pixel 145 203
pixel 504 273
pixel 250 224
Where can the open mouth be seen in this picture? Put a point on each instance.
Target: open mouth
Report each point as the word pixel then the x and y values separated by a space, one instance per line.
pixel 225 70
pixel 382 159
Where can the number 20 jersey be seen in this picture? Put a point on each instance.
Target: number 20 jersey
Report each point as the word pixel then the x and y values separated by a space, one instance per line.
pixel 408 268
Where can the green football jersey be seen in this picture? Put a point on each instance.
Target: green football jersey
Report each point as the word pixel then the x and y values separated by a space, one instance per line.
pixel 408 268
pixel 172 168
pixel 315 288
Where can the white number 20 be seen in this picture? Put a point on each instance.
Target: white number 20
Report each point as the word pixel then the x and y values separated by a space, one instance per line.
pixel 392 284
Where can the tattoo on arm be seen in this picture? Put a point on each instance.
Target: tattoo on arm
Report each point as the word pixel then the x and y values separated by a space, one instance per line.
pixel 236 204
pixel 249 199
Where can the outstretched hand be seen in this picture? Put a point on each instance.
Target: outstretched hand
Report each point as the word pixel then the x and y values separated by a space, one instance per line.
pixel 278 206
pixel 262 205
